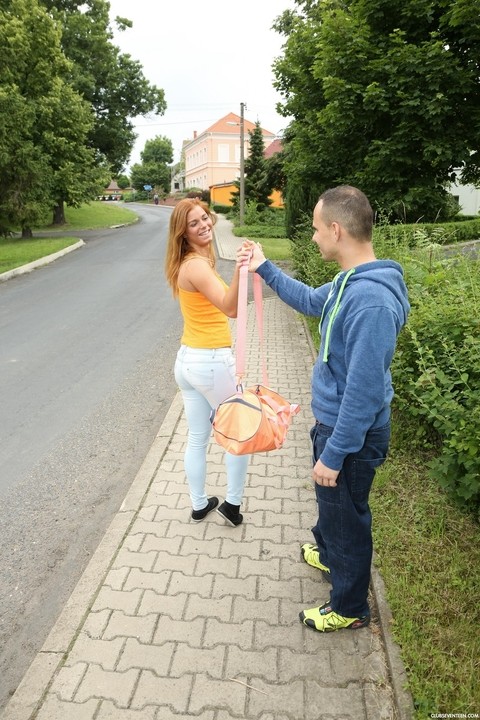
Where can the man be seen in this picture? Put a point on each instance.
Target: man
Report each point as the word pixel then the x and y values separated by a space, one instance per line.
pixel 361 313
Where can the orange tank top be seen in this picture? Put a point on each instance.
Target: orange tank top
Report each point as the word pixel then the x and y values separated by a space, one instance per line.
pixel 205 326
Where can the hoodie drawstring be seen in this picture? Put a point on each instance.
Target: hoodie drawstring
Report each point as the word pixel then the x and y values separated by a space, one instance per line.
pixel 334 311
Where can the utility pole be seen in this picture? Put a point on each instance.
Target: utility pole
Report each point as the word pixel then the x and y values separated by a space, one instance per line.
pixel 242 164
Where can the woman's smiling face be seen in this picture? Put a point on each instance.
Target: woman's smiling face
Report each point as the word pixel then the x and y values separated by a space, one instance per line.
pixel 199 229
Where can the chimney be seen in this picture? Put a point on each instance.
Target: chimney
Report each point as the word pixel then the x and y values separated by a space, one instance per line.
pixel 194 134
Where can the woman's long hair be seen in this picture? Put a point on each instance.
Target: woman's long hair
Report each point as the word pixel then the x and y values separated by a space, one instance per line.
pixel 177 246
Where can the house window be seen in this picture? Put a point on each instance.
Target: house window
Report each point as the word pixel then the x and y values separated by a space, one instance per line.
pixel 223 152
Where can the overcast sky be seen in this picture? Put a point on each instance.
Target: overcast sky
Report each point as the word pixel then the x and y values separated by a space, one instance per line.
pixel 208 56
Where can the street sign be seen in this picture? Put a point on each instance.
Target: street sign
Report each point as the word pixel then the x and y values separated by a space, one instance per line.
pixel 147 187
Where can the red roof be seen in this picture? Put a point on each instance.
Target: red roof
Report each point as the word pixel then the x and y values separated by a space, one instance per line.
pixel 274 147
pixel 225 125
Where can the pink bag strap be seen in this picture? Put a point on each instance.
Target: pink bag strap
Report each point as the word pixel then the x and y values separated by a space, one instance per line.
pixel 241 343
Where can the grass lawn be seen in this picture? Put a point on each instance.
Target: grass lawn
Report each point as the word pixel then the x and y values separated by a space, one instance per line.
pixel 94 215
pixel 15 252
pixel 275 248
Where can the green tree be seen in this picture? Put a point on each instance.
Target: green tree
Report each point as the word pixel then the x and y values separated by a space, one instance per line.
pixel 123 182
pixel 43 121
pixel 154 169
pixel 256 179
pixel 110 81
pixel 257 187
pixel 382 96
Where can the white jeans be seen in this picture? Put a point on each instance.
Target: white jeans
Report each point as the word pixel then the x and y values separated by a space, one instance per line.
pixel 206 378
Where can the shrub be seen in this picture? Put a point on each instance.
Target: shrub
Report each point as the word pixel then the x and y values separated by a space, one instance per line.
pixel 222 209
pixel 436 368
pixel 436 372
pixel 443 233
pixel 259 231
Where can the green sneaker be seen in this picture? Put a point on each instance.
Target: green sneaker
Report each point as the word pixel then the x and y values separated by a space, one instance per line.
pixel 311 556
pixel 324 619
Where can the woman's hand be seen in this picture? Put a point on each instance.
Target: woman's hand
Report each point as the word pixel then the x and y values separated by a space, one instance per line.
pixel 252 252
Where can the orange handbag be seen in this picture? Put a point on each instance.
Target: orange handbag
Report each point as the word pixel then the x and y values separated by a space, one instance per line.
pixel 257 419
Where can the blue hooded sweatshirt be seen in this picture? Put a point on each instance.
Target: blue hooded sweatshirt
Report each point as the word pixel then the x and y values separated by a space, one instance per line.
pixel 361 313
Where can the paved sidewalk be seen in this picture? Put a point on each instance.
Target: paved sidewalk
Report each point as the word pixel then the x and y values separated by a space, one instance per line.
pixel 173 619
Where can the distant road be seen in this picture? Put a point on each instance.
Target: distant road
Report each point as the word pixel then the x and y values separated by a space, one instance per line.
pixel 87 346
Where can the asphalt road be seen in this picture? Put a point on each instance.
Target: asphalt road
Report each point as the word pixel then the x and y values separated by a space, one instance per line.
pixel 87 346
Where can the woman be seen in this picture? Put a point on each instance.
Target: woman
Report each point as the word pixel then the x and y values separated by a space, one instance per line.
pixel 205 366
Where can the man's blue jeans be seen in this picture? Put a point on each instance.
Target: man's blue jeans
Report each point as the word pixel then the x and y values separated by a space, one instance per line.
pixel 343 531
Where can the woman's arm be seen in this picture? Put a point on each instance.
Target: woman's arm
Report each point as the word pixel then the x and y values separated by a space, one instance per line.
pixel 199 274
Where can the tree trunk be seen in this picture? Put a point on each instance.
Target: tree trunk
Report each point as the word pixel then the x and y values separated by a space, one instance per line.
pixel 59 214
pixel 26 233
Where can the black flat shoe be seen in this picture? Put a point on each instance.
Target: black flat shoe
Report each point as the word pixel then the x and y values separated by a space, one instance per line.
pixel 199 515
pixel 230 513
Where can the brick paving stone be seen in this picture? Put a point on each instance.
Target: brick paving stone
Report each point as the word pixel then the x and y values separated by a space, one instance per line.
pixel 267 610
pixel 287 698
pixel 187 583
pixel 217 632
pixel 157 581
pixel 162 691
pixel 117 600
pixel 102 652
pixel 67 681
pixel 251 549
pixel 114 686
pixel 279 588
pixel 225 566
pixel 171 605
pixel 294 664
pixel 165 561
pixel 109 711
pixel 197 546
pixel 55 709
pixel 254 663
pixel 142 560
pixel 264 568
pixel 220 694
pixel 203 607
pixel 116 578
pixel 233 586
pixel 180 631
pixel 338 702
pixel 207 660
pixel 162 544
pixel 277 636
pixel 156 658
pixel 96 622
pixel 121 625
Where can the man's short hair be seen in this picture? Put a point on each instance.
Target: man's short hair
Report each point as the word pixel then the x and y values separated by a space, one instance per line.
pixel 348 206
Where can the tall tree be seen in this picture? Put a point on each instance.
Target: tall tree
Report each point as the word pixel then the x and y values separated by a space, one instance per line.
pixel 383 96
pixel 111 81
pixel 43 121
pixel 154 169
pixel 256 180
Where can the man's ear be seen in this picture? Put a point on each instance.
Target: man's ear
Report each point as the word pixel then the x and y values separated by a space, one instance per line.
pixel 336 229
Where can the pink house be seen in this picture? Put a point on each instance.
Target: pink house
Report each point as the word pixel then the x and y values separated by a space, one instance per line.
pixel 213 156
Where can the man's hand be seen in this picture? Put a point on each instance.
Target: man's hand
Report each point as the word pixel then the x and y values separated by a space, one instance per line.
pixel 323 475
pixel 255 250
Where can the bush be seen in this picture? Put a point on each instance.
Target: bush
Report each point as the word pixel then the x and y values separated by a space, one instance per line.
pixel 436 368
pixel 222 209
pixel 436 373
pixel 259 231
pixel 442 233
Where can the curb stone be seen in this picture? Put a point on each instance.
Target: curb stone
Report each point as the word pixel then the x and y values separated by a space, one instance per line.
pixel 46 260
